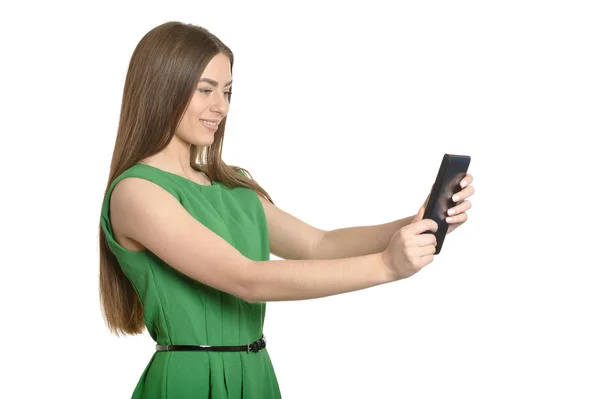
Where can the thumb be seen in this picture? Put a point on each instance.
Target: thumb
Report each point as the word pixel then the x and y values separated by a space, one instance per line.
pixel 419 215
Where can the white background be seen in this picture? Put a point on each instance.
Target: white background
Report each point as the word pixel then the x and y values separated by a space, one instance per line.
pixel 342 112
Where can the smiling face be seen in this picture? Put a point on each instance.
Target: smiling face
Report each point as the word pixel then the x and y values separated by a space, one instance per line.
pixel 209 104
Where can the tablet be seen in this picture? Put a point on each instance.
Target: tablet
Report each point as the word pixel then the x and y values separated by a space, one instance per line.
pixel 447 183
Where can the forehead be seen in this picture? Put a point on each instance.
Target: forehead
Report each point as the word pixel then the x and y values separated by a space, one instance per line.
pixel 218 70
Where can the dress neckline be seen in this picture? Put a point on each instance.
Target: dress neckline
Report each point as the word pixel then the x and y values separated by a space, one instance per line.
pixel 213 182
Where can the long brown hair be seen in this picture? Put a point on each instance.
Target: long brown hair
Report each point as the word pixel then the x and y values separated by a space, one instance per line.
pixel 163 73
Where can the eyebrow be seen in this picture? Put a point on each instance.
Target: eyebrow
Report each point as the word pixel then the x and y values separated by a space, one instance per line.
pixel 214 82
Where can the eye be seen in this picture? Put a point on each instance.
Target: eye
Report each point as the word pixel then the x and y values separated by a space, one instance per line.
pixel 208 91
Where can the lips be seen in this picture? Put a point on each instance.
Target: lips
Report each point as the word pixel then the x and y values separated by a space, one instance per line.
pixel 210 125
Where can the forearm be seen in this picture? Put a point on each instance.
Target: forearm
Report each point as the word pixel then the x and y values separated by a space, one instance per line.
pixel 358 241
pixel 284 280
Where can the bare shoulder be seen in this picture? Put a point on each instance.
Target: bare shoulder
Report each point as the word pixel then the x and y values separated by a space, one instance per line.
pixel 126 201
pixel 138 208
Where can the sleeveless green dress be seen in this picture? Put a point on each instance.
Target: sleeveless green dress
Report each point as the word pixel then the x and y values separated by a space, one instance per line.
pixel 179 310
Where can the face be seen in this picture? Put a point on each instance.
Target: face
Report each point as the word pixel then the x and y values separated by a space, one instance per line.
pixel 209 104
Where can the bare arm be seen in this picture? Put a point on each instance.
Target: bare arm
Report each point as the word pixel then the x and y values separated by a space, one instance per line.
pixel 291 238
pixel 280 280
pixel 358 241
pixel 144 212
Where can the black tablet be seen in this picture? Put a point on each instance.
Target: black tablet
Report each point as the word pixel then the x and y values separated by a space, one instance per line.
pixel 447 183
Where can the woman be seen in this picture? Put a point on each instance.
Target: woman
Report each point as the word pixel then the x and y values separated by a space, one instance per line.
pixel 185 239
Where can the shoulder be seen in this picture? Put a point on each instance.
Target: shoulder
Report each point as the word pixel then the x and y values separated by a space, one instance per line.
pixel 132 203
pixel 131 191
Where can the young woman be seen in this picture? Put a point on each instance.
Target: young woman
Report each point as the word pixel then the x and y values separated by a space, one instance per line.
pixel 185 239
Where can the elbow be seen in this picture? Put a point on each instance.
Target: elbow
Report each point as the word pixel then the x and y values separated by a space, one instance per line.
pixel 319 246
pixel 251 299
pixel 246 294
pixel 248 283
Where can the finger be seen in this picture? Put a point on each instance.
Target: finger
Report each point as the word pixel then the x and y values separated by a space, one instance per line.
pixel 462 207
pixel 426 250
pixel 457 219
pixel 422 226
pixel 428 197
pixel 424 240
pixel 419 215
pixel 468 179
pixel 461 195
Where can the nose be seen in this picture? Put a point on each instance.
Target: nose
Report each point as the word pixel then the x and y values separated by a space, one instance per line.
pixel 220 104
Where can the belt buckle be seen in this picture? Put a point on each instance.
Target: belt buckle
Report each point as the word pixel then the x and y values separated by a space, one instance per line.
pixel 256 345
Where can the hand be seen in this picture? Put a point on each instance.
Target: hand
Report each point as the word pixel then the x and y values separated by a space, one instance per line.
pixel 457 215
pixel 410 250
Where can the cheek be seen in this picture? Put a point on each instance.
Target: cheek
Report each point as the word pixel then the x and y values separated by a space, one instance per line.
pixel 189 124
pixel 195 108
pixel 193 117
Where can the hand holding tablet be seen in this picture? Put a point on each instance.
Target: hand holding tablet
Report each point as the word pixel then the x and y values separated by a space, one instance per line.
pixel 452 170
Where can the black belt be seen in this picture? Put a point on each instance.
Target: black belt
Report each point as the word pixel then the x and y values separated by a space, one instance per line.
pixel 252 347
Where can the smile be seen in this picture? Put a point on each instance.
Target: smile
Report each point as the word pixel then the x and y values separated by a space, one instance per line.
pixel 209 125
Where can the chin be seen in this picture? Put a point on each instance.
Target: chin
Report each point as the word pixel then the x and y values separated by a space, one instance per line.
pixel 204 141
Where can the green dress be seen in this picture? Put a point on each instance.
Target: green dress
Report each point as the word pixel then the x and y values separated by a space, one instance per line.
pixel 179 310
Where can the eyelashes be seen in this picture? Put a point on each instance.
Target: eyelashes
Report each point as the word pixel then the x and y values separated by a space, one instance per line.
pixel 208 91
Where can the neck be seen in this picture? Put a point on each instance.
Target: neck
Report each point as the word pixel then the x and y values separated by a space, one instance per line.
pixel 175 158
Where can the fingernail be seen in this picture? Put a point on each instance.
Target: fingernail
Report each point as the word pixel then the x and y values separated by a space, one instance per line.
pixel 448 220
pixel 463 183
pixel 451 211
pixel 455 198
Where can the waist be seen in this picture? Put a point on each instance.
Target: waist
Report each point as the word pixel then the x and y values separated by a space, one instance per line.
pixel 254 347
